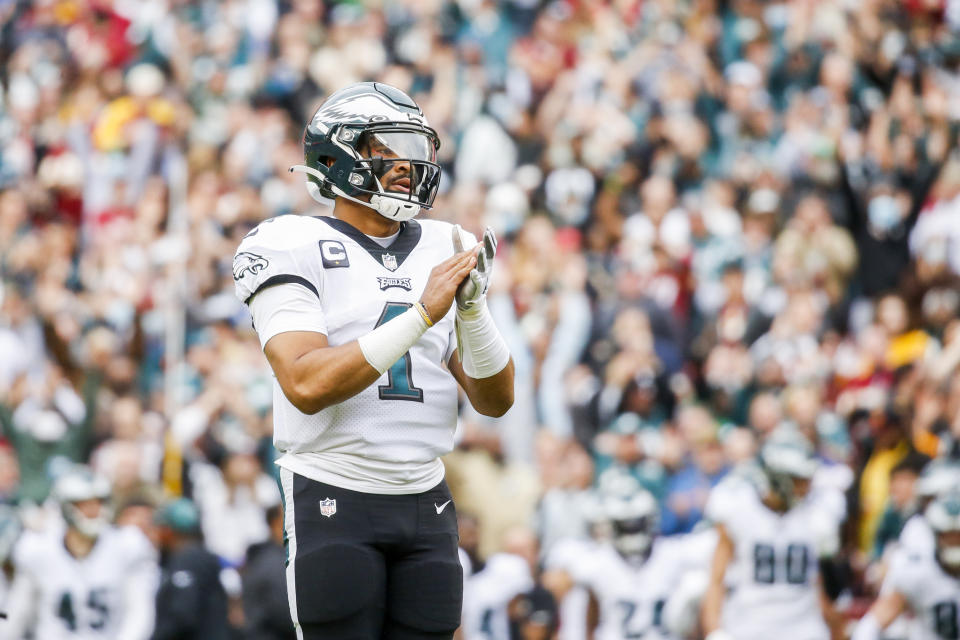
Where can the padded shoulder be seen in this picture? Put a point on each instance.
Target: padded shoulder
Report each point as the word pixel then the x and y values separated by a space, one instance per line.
pixel 441 233
pixel 135 545
pixel 727 500
pixel 30 550
pixel 274 253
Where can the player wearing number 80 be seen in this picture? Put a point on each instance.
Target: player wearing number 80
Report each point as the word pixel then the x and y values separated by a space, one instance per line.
pixel 772 532
pixel 352 313
pixel 91 581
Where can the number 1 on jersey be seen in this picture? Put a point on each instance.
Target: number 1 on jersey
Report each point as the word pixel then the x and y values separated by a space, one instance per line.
pixel 400 376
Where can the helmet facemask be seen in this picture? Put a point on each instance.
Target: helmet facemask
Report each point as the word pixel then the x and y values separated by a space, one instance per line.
pixel 87 526
pixel 788 465
pixel 634 520
pixel 389 167
pixel 76 488
pixel 943 515
pixel 633 538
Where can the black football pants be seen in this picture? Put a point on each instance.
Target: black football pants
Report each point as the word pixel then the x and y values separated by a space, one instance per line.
pixel 363 566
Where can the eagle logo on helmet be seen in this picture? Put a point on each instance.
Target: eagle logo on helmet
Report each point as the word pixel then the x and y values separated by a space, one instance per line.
pixel 246 261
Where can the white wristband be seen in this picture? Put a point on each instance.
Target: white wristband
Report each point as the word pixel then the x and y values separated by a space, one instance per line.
pixel 386 344
pixel 483 352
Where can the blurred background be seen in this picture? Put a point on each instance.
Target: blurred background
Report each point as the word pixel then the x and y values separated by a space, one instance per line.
pixel 716 217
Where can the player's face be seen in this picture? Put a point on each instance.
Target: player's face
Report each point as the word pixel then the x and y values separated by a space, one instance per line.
pixel 801 487
pixel 387 146
pixel 947 543
pixel 91 508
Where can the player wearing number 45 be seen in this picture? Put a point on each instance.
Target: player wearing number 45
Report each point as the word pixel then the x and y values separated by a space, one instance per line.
pixel 354 315
pixel 87 581
pixel 772 531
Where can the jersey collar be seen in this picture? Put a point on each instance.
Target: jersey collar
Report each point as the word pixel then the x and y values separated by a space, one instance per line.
pixel 400 248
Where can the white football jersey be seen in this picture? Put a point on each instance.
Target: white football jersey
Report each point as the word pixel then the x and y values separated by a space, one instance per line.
pixel 109 594
pixel 388 438
pixel 487 594
pixel 773 578
pixel 632 597
pixel 4 590
pixel 933 594
pixel 571 555
pixel 917 537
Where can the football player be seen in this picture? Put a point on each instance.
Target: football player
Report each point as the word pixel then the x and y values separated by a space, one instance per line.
pixel 10 528
pixel 926 584
pixel 89 580
pixel 490 592
pixel 631 576
pixel 771 535
pixel 352 313
pixel 938 476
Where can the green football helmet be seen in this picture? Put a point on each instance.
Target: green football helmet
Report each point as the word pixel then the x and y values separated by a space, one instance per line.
pixel 785 457
pixel 79 484
pixel 384 123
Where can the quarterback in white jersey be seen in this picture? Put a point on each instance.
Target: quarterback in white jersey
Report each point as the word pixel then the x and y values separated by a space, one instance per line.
pixel 765 580
pixel 388 437
pixel 92 581
pixel 352 312
pixel 924 583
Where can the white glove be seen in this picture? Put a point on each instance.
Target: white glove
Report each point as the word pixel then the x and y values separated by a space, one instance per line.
pixel 474 287
pixel 719 634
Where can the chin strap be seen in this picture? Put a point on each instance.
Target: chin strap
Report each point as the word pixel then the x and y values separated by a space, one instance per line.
pixel 384 205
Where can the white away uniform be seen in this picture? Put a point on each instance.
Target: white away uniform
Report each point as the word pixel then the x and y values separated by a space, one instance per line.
pixel 631 597
pixel 773 578
pixel 109 594
pixel 572 555
pixel 933 595
pixel 487 594
pixel 388 438
pixel 917 537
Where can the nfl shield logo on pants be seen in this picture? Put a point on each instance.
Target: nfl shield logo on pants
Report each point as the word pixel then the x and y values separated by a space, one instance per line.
pixel 328 507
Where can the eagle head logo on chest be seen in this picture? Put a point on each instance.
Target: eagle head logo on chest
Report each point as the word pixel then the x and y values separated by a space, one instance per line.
pixel 389 261
pixel 386 283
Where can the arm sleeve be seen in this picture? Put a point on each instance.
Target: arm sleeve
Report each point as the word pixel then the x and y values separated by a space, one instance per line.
pixel 20 601
pixel 720 504
pixel 900 574
pixel 139 592
pixel 286 307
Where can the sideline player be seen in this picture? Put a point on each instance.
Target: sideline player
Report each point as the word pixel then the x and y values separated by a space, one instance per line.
pixel 352 314
pixel 924 583
pixel 771 535
pixel 631 577
pixel 90 581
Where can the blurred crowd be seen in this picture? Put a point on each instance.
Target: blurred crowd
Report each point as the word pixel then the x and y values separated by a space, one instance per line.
pixel 716 218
